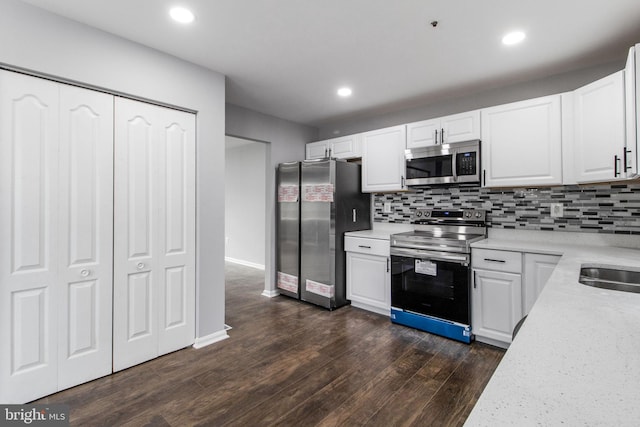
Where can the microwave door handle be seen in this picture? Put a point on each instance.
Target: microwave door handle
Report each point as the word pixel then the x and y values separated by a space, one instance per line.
pixel 454 164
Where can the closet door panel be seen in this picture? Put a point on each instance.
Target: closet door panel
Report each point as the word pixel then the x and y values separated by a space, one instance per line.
pixel 137 137
pixel 28 237
pixel 177 218
pixel 86 235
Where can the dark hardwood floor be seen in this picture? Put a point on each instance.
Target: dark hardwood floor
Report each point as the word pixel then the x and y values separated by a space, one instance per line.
pixel 288 363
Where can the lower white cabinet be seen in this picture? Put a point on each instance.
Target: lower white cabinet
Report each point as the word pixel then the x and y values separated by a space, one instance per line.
pixel 537 269
pixel 496 305
pixel 368 274
pixel 506 284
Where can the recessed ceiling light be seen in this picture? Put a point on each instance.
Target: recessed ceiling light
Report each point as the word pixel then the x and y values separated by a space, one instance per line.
pixel 344 92
pixel 182 15
pixel 513 38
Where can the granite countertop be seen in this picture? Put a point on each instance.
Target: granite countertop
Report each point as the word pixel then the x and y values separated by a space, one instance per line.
pixel 576 359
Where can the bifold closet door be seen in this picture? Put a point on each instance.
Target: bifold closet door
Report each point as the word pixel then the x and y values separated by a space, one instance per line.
pixel 86 235
pixel 55 236
pixel 154 232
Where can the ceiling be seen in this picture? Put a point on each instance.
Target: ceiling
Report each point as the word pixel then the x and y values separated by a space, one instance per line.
pixel 287 58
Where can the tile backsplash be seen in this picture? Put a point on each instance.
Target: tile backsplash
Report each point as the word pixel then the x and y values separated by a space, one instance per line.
pixel 606 208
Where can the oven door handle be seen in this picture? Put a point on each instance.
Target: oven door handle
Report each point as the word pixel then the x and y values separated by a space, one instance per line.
pixel 429 255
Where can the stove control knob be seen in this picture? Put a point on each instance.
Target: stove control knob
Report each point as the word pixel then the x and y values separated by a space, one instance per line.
pixel 427 213
pixel 478 214
pixel 418 214
pixel 467 214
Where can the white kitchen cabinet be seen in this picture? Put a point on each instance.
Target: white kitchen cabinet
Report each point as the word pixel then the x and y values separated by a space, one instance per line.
pixel 56 171
pixel 497 306
pixel 368 276
pixel 444 130
pixel 522 143
pixel 154 232
pixel 632 110
pixel 496 297
pixel 599 130
pixel 344 147
pixel 537 269
pixel 383 162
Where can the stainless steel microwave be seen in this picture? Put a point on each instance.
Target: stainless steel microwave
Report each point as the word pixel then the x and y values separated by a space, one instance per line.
pixel 454 163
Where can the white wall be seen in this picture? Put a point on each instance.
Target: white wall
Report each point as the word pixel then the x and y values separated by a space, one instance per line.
pixel 245 163
pixel 286 143
pixel 39 41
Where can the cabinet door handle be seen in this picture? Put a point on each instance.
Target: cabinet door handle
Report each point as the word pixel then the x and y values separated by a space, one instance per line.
pixel 402 182
pixel 484 177
pixel 364 246
pixel 387 264
pixel 442 136
pixel 495 260
pixel 329 152
pixel 626 162
pixel 436 136
pixel 616 159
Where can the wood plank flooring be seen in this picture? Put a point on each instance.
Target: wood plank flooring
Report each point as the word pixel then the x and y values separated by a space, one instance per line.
pixel 288 363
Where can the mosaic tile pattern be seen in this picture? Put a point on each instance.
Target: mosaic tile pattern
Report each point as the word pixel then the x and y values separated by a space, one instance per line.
pixel 607 208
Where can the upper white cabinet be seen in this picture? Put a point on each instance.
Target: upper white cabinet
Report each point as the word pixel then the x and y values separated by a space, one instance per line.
pixel 599 130
pixel 444 130
pixel 632 112
pixel 383 163
pixel 521 143
pixel 344 147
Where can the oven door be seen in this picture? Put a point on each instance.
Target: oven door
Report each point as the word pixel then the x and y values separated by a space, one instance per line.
pixel 431 285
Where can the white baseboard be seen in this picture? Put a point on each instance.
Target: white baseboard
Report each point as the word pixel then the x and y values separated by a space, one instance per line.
pixel 211 339
pixel 245 263
pixel 270 293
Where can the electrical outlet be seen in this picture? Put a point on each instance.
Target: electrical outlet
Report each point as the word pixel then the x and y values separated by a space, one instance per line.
pixel 556 210
pixel 387 207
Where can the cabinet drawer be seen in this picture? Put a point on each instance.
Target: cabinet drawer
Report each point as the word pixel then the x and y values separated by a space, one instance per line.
pixel 490 259
pixel 366 246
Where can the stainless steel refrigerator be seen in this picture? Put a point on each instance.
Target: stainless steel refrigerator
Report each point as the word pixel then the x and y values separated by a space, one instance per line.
pixel 318 201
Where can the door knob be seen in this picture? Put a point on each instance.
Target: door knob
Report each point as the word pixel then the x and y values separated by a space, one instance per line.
pixel 140 266
pixel 85 272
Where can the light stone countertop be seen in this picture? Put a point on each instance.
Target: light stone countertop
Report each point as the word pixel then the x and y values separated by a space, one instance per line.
pixel 576 359
pixel 381 230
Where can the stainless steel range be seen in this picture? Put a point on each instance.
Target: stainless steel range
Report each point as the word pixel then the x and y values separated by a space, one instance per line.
pixel 431 273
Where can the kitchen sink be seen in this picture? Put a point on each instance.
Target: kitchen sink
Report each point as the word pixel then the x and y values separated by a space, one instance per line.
pixel 611 277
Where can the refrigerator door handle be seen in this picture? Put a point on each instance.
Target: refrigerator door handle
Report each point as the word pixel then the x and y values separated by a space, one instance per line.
pixel 355 215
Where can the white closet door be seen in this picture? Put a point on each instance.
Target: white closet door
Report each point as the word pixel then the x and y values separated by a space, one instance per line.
pixel 29 247
pixel 86 235
pixel 176 247
pixel 154 243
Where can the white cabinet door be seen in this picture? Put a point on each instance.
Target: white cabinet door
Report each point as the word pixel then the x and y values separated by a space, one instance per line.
pixel 346 147
pixel 154 284
pixel 599 130
pixel 29 251
pixel 537 270
pixel 632 118
pixel 444 130
pixel 86 235
pixel 368 282
pixel 383 164
pixel 317 150
pixel 496 305
pixel 521 143
pixel 423 134
pixel 460 127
